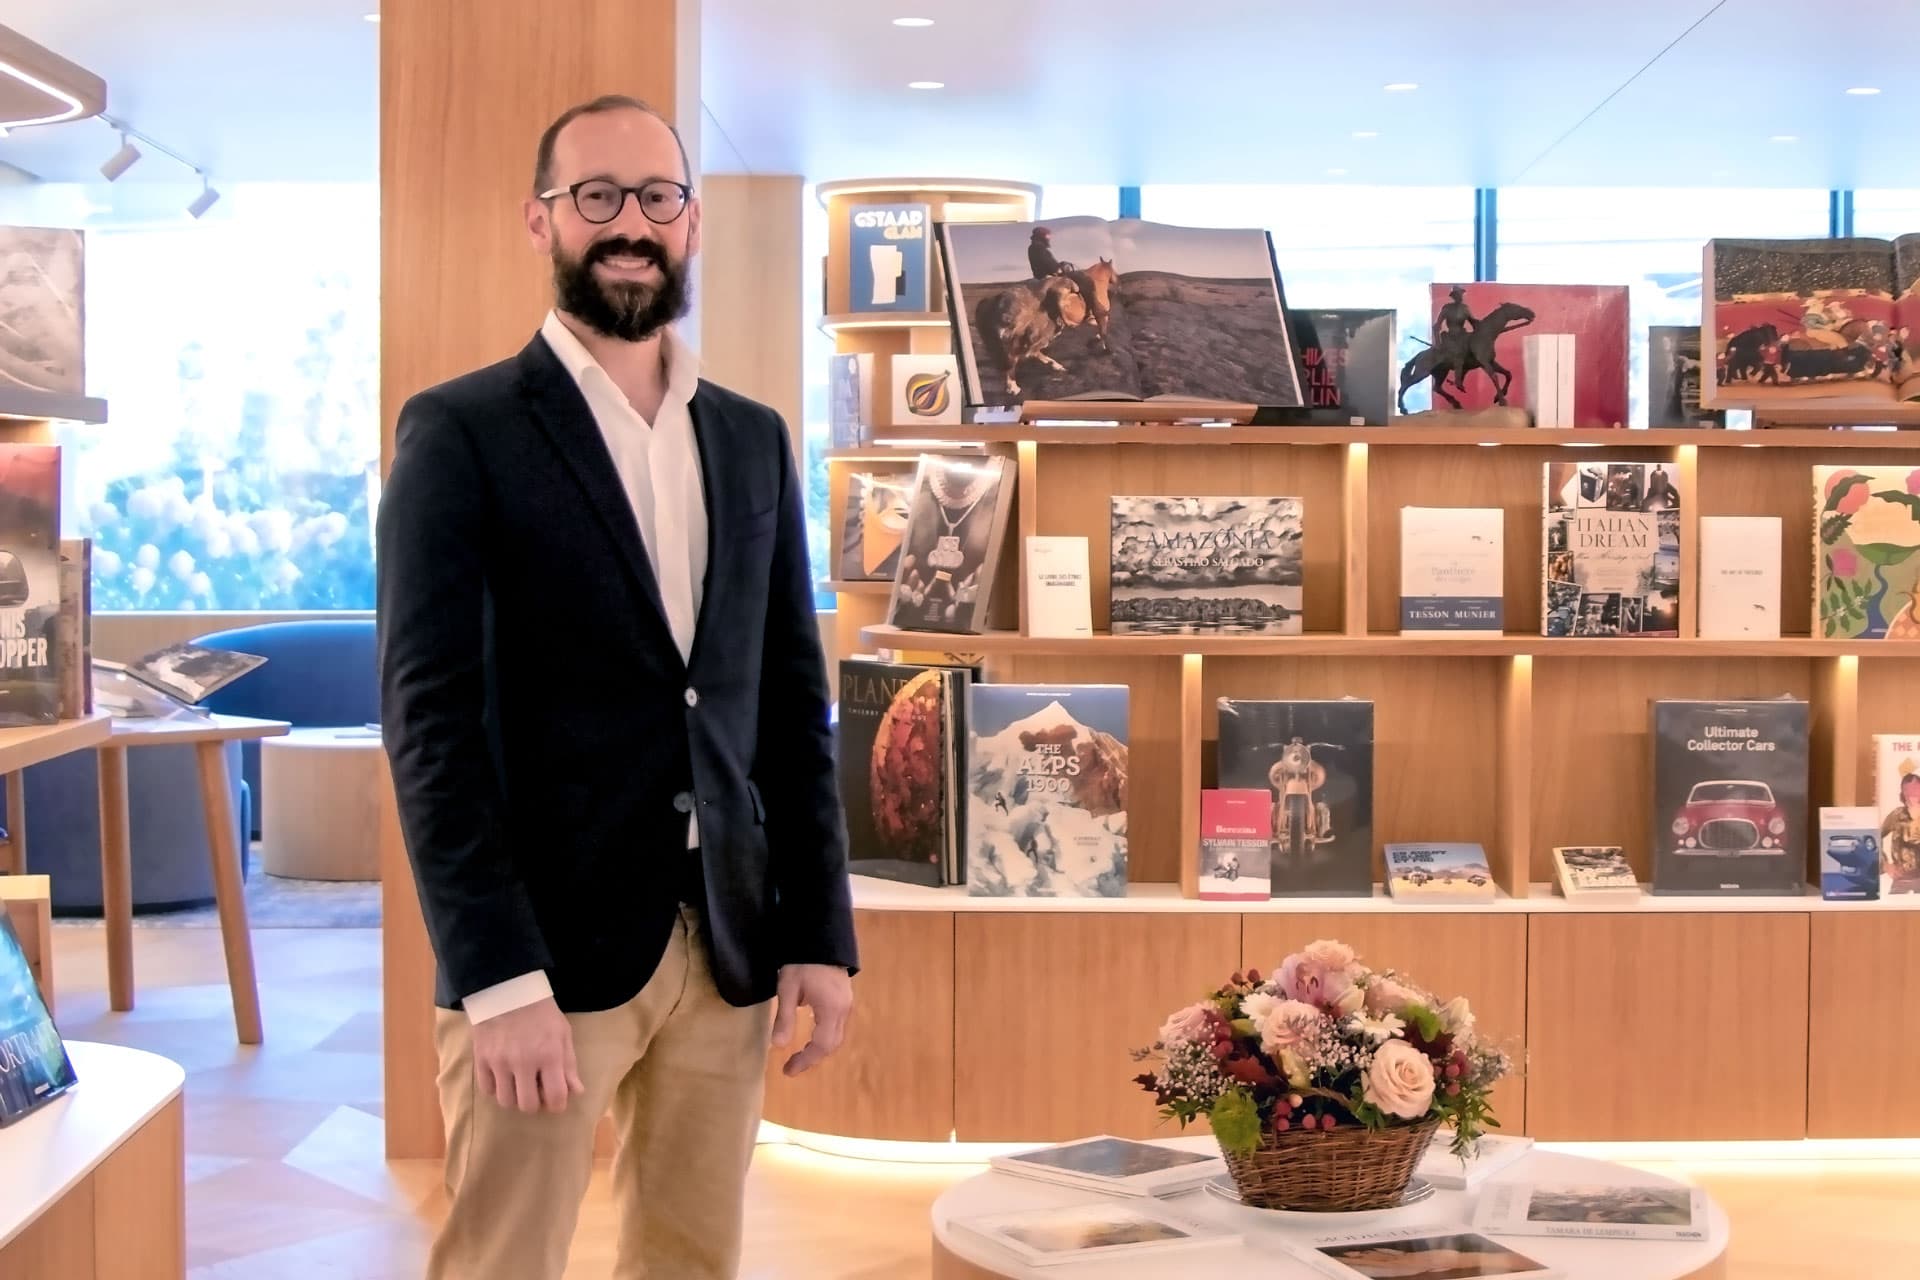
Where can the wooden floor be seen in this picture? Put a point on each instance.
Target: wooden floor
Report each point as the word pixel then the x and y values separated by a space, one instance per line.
pixel 286 1178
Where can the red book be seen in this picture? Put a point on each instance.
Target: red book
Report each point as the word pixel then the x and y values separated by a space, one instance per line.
pixel 1505 315
pixel 1236 845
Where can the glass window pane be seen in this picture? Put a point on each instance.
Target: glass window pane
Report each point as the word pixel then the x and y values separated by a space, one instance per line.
pixel 816 353
pixel 1064 200
pixel 1886 213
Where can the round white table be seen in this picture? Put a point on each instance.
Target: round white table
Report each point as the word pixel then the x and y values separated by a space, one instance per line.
pixel 959 1254
pixel 320 794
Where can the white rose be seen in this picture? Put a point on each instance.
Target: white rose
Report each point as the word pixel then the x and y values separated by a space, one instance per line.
pixel 1400 1081
pixel 1457 1016
pixel 1257 1007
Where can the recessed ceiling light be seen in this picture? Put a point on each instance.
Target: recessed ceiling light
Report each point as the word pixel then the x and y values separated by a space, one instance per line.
pixel 1336 173
pixel 1863 91
pixel 1366 133
pixel 926 84
pixel 1400 86
pixel 913 22
pixel 1784 137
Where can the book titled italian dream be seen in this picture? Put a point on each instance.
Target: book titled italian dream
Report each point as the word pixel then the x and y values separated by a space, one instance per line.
pixel 1612 550
pixel 956 524
pixel 1730 796
pixel 1047 791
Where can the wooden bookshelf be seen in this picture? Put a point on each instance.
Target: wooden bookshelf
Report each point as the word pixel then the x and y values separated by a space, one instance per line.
pixel 1094 433
pixel 844 587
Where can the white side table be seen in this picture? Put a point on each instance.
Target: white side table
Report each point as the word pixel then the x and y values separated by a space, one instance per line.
pixel 319 793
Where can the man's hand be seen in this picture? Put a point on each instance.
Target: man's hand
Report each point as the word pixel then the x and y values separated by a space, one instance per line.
pixel 525 1058
pixel 828 991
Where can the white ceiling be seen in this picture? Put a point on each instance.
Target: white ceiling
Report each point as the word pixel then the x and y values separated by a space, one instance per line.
pixel 1635 92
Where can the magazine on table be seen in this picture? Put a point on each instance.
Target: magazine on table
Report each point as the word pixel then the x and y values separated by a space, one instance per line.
pixel 1628 1211
pixel 1491 1153
pixel 185 674
pixel 1102 1230
pixel 1430 1250
pixel 1121 1166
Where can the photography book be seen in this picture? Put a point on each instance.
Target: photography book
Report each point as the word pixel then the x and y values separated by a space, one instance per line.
pixel 1611 546
pixel 1100 1230
pixel 1047 791
pixel 1118 1166
pixel 43 336
pixel 1478 338
pixel 1236 844
pixel 1866 578
pixel 1623 1211
pixel 1739 577
pixel 1430 1249
pixel 1491 1153
pixel 1314 760
pixel 1452 571
pixel 34 1069
pixel 956 525
pixel 1849 853
pixel 1092 309
pixel 1194 565
pixel 1594 871
pixel 1441 872
pixel 1059 604
pixel 1674 379
pixel 187 672
pixel 29 583
pixel 1730 796
pixel 889 257
pixel 899 746
pixel 1896 799
pixel 1346 366
pixel 850 417
pixel 1796 320
pixel 874 524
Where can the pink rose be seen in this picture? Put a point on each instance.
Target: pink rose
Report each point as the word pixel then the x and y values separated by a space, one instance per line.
pixel 1400 1080
pixel 1288 1025
pixel 1845 562
pixel 1190 1023
pixel 1320 975
pixel 1384 995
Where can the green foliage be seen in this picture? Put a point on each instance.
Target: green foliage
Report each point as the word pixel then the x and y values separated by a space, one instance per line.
pixel 1424 1020
pixel 1902 498
pixel 1834 527
pixel 1236 1122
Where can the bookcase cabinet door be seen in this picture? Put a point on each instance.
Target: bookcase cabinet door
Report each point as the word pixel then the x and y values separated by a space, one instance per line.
pixel 1667 1027
pixel 1864 1037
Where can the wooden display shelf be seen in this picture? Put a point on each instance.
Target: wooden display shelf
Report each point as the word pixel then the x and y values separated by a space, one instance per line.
pixel 856 587
pixel 31 744
pixel 1487 437
pixel 836 325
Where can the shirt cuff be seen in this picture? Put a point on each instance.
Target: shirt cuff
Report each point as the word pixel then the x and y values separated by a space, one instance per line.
pixel 505 997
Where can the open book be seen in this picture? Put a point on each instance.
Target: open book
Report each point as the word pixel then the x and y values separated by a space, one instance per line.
pixel 183 674
pixel 1794 320
pixel 1088 309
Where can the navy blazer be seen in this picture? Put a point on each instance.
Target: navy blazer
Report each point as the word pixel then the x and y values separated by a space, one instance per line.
pixel 547 740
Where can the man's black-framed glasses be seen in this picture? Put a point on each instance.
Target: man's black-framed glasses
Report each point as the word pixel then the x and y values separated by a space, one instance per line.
pixel 601 199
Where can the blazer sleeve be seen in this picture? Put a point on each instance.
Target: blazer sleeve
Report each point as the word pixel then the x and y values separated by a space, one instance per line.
pixel 806 829
pixel 431 540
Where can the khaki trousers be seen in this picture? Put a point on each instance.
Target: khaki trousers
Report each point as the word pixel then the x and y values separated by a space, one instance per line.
pixel 683 1073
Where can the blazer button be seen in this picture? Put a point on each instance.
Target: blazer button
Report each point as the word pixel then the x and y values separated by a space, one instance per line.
pixel 693 698
pixel 683 801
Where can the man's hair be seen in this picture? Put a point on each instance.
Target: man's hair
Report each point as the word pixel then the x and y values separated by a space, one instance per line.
pixel 543 156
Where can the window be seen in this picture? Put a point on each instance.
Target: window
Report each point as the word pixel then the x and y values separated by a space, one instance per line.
pixel 1886 213
pixel 1345 246
pixel 1651 240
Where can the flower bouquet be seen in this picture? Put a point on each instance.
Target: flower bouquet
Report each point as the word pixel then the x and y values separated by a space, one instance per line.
pixel 1325 1084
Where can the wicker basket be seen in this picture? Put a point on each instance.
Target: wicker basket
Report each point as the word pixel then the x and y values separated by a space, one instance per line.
pixel 1331 1170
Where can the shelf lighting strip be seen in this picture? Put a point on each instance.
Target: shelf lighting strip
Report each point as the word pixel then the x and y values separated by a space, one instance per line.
pixel 75 107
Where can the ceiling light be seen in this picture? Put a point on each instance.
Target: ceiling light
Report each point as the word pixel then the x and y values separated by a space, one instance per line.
pixel 1400 86
pixel 1863 91
pixel 41 87
pixel 120 161
pixel 913 22
pixel 204 201
pixel 1366 133
pixel 926 84
pixel 1784 137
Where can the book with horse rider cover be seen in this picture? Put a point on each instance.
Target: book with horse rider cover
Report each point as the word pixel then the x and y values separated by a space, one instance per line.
pixel 1092 309
pixel 1482 329
pixel 1792 320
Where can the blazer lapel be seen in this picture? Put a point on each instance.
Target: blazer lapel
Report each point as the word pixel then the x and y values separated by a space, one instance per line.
pixel 708 431
pixel 562 412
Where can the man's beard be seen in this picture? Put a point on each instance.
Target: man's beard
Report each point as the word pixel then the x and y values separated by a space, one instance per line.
pixel 627 310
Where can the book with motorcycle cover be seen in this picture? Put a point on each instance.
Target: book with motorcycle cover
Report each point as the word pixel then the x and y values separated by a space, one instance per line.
pixel 1188 566
pixel 1611 550
pixel 950 554
pixel 1729 796
pixel 1314 760
pixel 1091 309
pixel 1236 844
pixel 899 747
pixel 29 583
pixel 1788 321
pixel 1478 340
pixel 1047 790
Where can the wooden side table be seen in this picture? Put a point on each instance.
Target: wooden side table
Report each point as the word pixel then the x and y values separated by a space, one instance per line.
pixel 208 738
pixel 320 793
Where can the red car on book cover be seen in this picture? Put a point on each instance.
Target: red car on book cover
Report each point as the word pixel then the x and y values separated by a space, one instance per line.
pixel 1730 818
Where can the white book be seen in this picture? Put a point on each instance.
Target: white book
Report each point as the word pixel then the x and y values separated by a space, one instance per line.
pixel 1103 1230
pixel 1594 871
pixel 926 391
pixel 1059 603
pixel 1548 359
pixel 1430 1249
pixel 1594 1211
pixel 1739 577
pixel 1120 1166
pixel 1896 757
pixel 1491 1153
pixel 1451 571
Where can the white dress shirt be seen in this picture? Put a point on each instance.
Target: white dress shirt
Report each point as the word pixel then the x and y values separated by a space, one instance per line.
pixel 659 466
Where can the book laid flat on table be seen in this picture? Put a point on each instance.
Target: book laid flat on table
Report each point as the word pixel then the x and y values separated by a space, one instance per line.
pixel 1091 309
pixel 1190 565
pixel 1795 320
pixel 1491 1153
pixel 899 765
pixel 1627 1211
pixel 1102 1230
pixel 34 1069
pixel 1594 871
pixel 1445 872
pixel 1121 1166
pixel 956 525
pixel 1314 760
pixel 1730 796
pixel 1866 528
pixel 1429 1250
pixel 1611 549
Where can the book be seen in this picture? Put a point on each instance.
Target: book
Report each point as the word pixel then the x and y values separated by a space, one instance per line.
pixel 926 391
pixel 1430 1249
pixel 1611 547
pixel 1609 1211
pixel 1314 760
pixel 888 257
pixel 1739 577
pixel 1729 796
pixel 190 672
pixel 1102 1230
pixel 1549 361
pixel 1795 320
pixel 34 1069
pixel 1118 1166
pixel 850 416
pixel 1236 844
pixel 1092 309
pixel 1346 366
pixel 956 525
pixel 1193 565
pixel 1478 359
pixel 29 583
pixel 874 524
pixel 1674 379
pixel 43 309
pixel 1047 791
pixel 899 764
pixel 1594 871
pixel 75 659
pixel 1866 528
pixel 1451 571
pixel 1896 799
pixel 1444 872
pixel 1849 853
pixel 1058 603
pixel 1491 1153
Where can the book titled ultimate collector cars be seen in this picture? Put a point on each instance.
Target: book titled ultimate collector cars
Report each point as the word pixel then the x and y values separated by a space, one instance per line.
pixel 1730 796
pixel 956 525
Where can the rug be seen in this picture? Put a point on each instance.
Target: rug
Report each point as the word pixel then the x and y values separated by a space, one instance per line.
pixel 276 902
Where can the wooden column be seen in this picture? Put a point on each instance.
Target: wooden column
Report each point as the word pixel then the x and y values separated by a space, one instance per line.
pixel 466 86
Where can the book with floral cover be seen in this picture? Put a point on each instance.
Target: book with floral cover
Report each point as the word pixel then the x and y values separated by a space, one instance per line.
pixel 1866 529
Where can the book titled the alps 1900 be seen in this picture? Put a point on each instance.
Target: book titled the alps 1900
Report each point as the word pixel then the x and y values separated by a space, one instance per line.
pixel 1047 791
pixel 1187 565
pixel 1729 796
pixel 29 583
pixel 956 524
pixel 1612 550
pixel 1866 577
pixel 899 761
pixel 1314 759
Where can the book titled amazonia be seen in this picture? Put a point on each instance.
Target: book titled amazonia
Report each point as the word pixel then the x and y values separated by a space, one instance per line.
pixel 1189 565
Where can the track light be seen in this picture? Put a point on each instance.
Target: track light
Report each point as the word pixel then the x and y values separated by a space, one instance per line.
pixel 120 161
pixel 204 201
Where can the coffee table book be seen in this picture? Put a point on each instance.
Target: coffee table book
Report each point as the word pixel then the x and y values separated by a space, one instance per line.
pixel 1628 1211
pixel 1594 871
pixel 1427 1250
pixel 1103 1230
pixel 1117 1166
pixel 1491 1153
